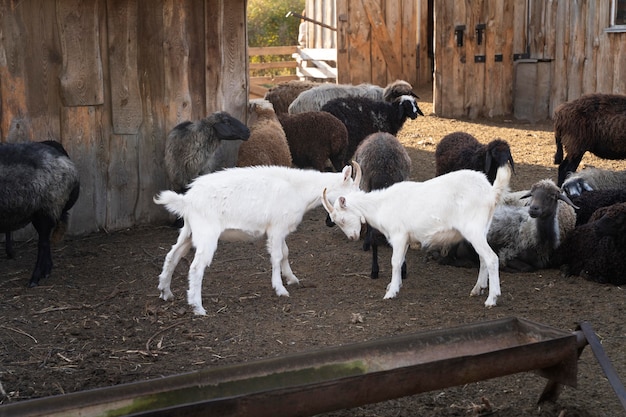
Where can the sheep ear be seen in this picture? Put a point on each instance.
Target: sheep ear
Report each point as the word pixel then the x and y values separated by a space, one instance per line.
pixel 565 198
pixel 488 160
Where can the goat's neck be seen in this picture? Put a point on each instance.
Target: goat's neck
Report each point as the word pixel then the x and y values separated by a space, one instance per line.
pixel 311 184
pixel 367 205
pixel 548 229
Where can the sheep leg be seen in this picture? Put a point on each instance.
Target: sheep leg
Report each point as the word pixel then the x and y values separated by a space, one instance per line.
pixel 488 273
pixel 173 257
pixel 277 248
pixel 285 268
pixel 8 245
pixel 43 266
pixel 397 260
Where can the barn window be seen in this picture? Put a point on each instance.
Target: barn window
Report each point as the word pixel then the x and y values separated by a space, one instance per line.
pixel 618 16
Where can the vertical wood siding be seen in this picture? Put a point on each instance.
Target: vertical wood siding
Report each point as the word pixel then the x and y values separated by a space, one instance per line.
pixel 109 79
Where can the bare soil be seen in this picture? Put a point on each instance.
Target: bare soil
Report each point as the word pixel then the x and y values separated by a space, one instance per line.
pixel 98 320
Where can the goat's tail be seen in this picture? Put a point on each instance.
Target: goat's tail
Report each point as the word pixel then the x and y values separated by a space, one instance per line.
pixel 502 181
pixel 173 202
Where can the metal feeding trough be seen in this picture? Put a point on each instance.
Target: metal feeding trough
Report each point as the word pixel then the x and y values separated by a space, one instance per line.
pixel 337 378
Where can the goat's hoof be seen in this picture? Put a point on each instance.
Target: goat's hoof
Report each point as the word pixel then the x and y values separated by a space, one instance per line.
pixel 282 292
pixel 166 295
pixel 199 310
pixel 33 284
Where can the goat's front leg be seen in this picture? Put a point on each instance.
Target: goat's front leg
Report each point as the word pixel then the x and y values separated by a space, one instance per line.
pixel 179 249
pixel 397 260
pixel 488 274
pixel 276 247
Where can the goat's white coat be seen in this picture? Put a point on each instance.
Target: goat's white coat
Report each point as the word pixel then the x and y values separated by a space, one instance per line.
pixel 244 204
pixel 437 212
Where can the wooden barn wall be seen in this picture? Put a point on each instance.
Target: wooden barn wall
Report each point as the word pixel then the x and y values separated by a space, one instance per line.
pixel 379 41
pixel 109 79
pixel 569 35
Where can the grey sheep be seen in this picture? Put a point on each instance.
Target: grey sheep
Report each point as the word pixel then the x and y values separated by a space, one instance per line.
pixel 596 250
pixel 191 147
pixel 314 138
pixel 315 98
pixel 363 116
pixel 591 179
pixel 594 123
pixel 39 184
pixel 283 94
pixel 267 144
pixel 526 229
pixel 460 150
pixel 383 161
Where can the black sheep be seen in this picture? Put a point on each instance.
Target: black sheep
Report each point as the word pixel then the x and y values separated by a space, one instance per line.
pixel 596 250
pixel 460 150
pixel 594 123
pixel 590 201
pixel 39 184
pixel 363 116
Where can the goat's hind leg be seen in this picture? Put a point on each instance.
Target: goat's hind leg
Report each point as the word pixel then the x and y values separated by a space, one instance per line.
pixel 173 257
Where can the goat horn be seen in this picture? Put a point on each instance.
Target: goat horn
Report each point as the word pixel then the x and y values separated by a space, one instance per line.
pixel 326 203
pixel 565 198
pixel 357 172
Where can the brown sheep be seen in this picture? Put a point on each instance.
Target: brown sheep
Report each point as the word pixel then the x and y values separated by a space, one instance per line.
pixel 314 138
pixel 460 150
pixel 594 123
pixel 283 94
pixel 267 144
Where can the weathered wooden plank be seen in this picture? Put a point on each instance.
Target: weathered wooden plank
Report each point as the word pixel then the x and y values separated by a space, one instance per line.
pixel 126 105
pixel 384 41
pixel 82 74
pixel 619 67
pixel 14 121
pixel 123 182
pixel 424 47
pixel 343 26
pixel 85 140
pixel 592 27
pixel 606 51
pixel 576 54
pixel 559 81
pixel 359 45
pixel 474 74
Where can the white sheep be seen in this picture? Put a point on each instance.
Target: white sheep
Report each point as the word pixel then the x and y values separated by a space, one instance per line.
pixel 267 144
pixel 437 212
pixel 193 148
pixel 314 98
pixel 244 204
pixel 593 179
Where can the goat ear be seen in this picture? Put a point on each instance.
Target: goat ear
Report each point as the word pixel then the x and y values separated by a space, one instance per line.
pixel 357 173
pixel 564 197
pixel 528 194
pixel 363 220
pixel 342 202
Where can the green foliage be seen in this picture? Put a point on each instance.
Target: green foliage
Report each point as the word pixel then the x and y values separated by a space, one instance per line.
pixel 267 24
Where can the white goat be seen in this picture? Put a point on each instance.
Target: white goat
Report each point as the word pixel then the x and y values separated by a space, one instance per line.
pixel 437 212
pixel 245 204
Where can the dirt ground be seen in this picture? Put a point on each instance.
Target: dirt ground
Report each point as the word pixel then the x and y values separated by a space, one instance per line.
pixel 98 320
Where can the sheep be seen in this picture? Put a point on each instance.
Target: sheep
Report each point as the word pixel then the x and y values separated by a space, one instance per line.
pixel 460 150
pixel 39 184
pixel 283 94
pixel 590 201
pixel 267 144
pixel 383 161
pixel 590 179
pixel 596 250
pixel 191 147
pixel 363 116
pixel 314 98
pixel 244 204
pixel 594 123
pixel 525 231
pixel 314 138
pixel 437 212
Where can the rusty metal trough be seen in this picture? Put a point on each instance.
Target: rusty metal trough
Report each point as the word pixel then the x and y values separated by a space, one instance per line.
pixel 336 378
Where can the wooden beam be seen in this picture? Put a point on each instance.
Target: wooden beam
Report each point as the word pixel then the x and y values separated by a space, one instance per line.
pixel 382 37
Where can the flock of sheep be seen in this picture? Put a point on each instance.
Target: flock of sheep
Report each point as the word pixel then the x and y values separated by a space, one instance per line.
pixel 311 144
